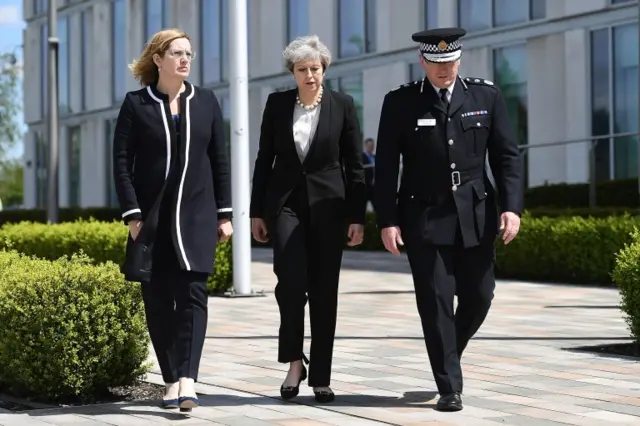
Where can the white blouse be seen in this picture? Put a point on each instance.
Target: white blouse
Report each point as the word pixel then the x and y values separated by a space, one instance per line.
pixel 305 124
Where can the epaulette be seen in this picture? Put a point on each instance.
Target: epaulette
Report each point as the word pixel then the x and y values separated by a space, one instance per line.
pixel 474 80
pixel 411 83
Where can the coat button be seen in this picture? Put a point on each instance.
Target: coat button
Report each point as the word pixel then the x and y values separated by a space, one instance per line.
pixel 450 141
pixel 454 188
pixel 479 124
pixel 453 165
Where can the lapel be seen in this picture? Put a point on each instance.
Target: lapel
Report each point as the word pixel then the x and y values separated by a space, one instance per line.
pixel 432 99
pixel 287 110
pixel 324 123
pixel 458 97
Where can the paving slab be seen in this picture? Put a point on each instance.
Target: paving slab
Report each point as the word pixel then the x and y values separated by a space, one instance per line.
pixel 521 368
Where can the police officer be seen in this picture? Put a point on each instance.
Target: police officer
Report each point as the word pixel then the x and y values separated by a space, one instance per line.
pixel 445 212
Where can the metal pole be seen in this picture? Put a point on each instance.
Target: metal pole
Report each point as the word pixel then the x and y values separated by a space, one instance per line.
pixel 52 86
pixel 240 179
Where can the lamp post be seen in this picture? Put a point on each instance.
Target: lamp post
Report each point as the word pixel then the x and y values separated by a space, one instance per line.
pixel 52 86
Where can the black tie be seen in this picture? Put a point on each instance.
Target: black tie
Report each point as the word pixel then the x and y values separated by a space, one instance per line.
pixel 443 96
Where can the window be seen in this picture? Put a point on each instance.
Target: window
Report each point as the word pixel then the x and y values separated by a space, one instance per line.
pixel 352 85
pixel 119 53
pixel 112 196
pixel 40 6
pixel 211 41
pixel 44 29
pixel 63 66
pixel 474 15
pixel 479 15
pixel 157 16
pixel 357 29
pixel 430 13
pixel 614 94
pixel 86 46
pixel 415 72
pixel 42 165
pixel 297 19
pixel 620 1
pixel 224 47
pixel 510 75
pixel 73 146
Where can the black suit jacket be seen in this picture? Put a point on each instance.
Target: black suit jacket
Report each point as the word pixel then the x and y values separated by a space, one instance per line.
pixel 444 182
pixel 145 147
pixel 332 169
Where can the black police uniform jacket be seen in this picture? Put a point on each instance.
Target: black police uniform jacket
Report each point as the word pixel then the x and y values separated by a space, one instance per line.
pixel 145 147
pixel 444 181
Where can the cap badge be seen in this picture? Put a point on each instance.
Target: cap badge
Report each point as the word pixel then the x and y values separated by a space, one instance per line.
pixel 442 45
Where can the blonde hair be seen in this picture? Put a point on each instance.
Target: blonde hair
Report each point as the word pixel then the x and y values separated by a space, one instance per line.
pixel 144 69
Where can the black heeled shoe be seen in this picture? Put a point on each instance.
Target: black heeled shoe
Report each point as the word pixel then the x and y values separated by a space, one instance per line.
pixel 288 392
pixel 324 396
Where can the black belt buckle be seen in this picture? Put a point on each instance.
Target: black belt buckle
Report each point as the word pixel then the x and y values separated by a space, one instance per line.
pixel 455 178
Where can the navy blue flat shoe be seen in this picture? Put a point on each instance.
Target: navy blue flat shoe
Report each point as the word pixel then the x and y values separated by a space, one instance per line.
pixel 170 403
pixel 186 403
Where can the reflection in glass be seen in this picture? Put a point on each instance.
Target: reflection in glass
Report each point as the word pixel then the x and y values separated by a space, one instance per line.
pixel 357 27
pixel 430 8
pixel 224 46
pixel 538 9
pixel 153 17
pixel 474 15
pixel 600 95
pixel 86 45
pixel 625 95
pixel 297 19
pixel 74 140
pixel 510 75
pixel 119 52
pixel 509 12
pixel 352 85
pixel 211 41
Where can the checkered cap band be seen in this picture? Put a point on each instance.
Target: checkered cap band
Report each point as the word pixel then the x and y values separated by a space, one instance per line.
pixel 433 48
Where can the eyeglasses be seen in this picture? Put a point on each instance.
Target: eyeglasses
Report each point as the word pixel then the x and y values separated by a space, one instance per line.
pixel 179 54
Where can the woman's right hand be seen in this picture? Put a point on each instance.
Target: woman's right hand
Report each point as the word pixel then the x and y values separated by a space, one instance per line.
pixel 134 228
pixel 259 230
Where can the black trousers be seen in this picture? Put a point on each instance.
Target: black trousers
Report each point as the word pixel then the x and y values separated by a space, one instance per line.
pixel 176 310
pixel 307 259
pixel 439 273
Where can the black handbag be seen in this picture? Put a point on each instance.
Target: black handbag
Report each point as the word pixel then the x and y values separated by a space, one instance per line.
pixel 138 261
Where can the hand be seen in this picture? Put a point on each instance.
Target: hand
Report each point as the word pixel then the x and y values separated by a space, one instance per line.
pixel 225 229
pixel 134 228
pixel 259 230
pixel 509 226
pixel 355 234
pixel 392 239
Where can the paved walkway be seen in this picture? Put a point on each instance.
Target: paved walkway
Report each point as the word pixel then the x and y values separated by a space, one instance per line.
pixel 518 370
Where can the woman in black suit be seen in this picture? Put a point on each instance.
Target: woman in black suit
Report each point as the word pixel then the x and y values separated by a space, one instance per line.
pixel 169 146
pixel 308 193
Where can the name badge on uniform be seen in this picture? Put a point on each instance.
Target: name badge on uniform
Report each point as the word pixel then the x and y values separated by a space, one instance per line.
pixel 426 122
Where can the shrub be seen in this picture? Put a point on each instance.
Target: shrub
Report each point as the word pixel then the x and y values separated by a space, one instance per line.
pixel 101 241
pixel 626 275
pixel 565 249
pixel 68 328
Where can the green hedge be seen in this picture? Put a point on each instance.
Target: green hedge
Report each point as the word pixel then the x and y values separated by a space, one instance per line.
pixel 101 241
pixel 68 327
pixel 612 193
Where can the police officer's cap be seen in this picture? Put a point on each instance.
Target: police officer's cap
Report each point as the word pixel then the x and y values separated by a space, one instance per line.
pixel 440 44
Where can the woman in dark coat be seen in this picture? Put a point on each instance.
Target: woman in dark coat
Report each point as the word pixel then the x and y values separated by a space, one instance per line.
pixel 173 132
pixel 308 196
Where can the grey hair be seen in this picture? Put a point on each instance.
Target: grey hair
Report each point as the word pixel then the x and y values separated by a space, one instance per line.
pixel 307 48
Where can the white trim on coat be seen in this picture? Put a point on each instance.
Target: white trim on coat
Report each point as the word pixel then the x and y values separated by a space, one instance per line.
pixel 166 129
pixel 184 175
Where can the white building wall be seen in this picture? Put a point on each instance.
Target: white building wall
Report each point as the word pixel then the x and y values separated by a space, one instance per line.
pixel 558 79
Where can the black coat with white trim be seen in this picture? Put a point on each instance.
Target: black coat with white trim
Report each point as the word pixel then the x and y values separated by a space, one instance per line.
pixel 145 146
pixel 445 182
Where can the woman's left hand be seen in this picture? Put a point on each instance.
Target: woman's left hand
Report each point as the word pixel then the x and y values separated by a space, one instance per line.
pixel 355 234
pixel 225 229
